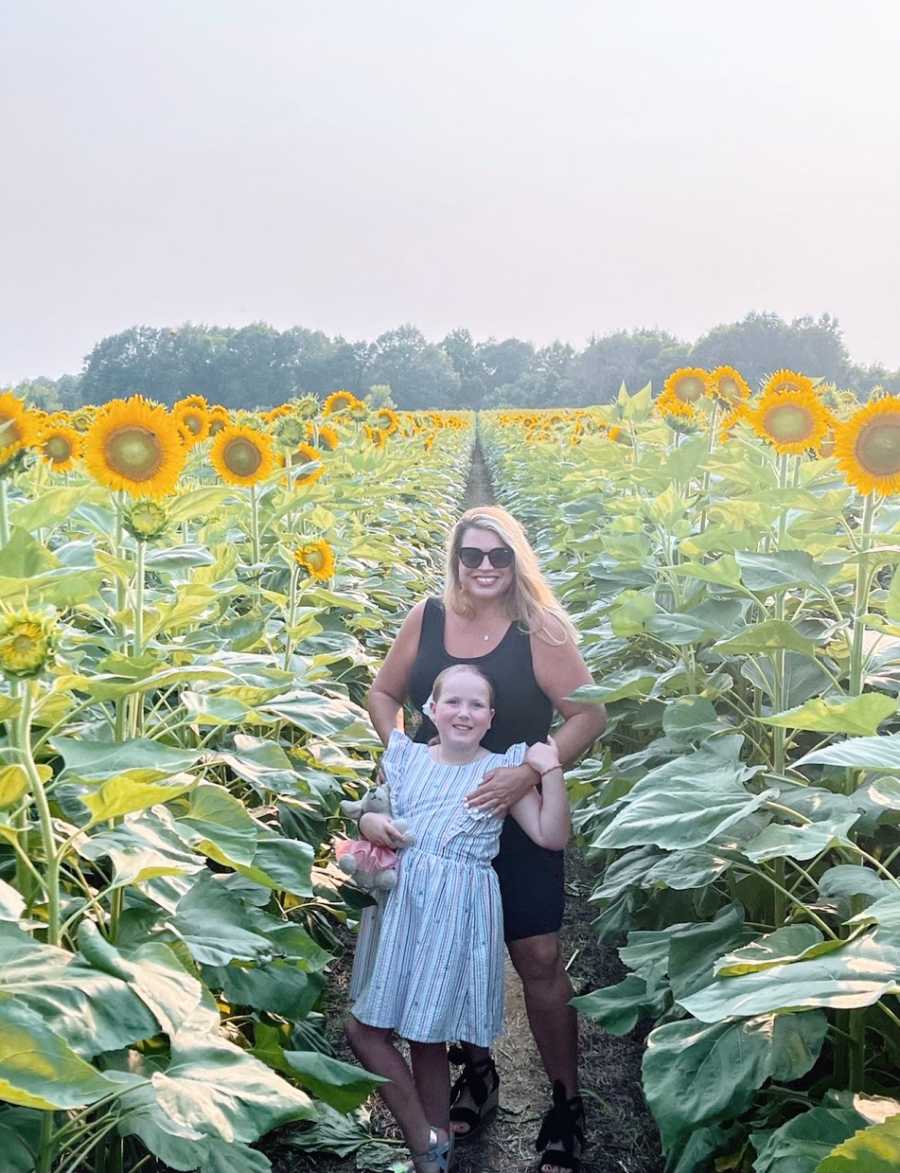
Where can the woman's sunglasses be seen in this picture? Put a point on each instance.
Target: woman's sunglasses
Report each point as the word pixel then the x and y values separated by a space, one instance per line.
pixel 500 557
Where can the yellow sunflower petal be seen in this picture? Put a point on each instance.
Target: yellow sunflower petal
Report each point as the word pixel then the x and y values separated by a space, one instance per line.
pixel 242 456
pixel 867 447
pixel 135 446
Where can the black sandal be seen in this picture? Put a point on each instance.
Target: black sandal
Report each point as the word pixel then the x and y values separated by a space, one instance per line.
pixel 563 1124
pixel 479 1077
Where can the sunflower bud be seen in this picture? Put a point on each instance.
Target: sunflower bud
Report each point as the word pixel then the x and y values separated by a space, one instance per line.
pixel 26 644
pixel 289 432
pixel 146 520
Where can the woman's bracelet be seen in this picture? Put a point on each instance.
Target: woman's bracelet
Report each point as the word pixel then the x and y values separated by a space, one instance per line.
pixel 550 771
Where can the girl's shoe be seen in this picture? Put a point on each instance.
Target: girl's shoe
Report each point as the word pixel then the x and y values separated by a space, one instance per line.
pixel 480 1079
pixel 563 1125
pixel 436 1158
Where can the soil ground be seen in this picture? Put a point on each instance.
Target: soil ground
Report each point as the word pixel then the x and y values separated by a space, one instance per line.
pixel 622 1137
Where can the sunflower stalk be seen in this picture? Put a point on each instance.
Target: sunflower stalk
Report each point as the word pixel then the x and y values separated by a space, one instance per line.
pixel 39 796
pixel 138 641
pixel 291 615
pixel 779 699
pixel 4 513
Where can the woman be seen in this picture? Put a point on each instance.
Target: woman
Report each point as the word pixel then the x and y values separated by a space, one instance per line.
pixel 499 613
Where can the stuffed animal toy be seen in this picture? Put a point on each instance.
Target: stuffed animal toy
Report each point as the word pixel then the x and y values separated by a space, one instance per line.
pixel 374 869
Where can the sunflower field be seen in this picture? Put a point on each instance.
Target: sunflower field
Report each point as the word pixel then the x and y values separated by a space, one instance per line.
pixel 191 605
pixel 732 561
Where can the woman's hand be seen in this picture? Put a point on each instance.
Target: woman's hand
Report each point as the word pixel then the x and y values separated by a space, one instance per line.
pixel 381 830
pixel 544 756
pixel 502 788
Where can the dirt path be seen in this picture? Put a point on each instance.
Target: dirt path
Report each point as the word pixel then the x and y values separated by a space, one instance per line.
pixel 621 1134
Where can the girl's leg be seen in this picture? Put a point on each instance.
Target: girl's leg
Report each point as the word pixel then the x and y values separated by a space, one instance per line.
pixel 373 1048
pixel 431 1072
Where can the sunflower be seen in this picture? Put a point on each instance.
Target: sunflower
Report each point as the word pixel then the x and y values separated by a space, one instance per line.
pixel 726 385
pixel 428 442
pixel 198 401
pixel 739 414
pixel 192 419
pixel 323 435
pixel 305 454
pixel 18 426
pixel 681 391
pixel 289 432
pixel 276 413
pixel 789 414
pixel 242 456
pixel 339 401
pixel 135 446
pixel 867 447
pixel 26 643
pixel 60 445
pixel 317 559
pixel 146 520
pixel 387 420
pixel 218 419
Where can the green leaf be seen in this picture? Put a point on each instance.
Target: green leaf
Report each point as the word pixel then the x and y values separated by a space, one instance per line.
pixel 95 760
pixel 873 1150
pixel 630 611
pixel 696 1075
pixel 20 1138
pixel 123 795
pixel 690 719
pixel 862 753
pixel 695 948
pixel 860 715
pixel 216 927
pixel 723 572
pixel 13 784
pixel 618 1008
pixel 198 503
pixel 776 948
pixel 264 764
pixel 855 972
pixel 315 713
pixel 341 1085
pixel 617 686
pixel 39 1070
pixel 772 635
pixel 685 802
pixel 766 574
pixel 23 557
pixel 143 848
pixel 801 1144
pixel 806 842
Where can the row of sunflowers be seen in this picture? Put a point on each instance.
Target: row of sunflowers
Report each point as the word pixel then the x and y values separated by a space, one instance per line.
pixel 193 603
pixel 732 563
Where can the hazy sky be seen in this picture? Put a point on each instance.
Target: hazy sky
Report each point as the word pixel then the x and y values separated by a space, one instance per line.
pixel 543 169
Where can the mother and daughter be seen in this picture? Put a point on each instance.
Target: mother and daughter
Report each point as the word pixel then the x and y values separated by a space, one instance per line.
pixel 496 658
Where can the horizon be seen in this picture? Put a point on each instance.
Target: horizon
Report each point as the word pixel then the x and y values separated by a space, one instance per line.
pixel 516 170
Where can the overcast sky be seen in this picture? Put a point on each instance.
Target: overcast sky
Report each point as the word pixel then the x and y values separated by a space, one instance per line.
pixel 542 169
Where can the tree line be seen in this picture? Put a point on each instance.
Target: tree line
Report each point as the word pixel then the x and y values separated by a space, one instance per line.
pixel 259 366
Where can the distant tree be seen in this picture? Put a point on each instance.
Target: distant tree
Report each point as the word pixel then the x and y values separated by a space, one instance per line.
pixel 420 374
pixel 505 362
pixel 380 396
pixel 40 392
pixel 467 361
pixel 635 357
pixel 763 342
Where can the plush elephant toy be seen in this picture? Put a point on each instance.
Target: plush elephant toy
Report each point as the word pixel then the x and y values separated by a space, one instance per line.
pixel 374 869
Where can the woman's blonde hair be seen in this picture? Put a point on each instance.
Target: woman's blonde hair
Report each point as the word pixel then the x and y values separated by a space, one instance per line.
pixel 530 602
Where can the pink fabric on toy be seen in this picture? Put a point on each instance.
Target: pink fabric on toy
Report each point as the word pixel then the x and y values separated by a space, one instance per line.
pixel 369 857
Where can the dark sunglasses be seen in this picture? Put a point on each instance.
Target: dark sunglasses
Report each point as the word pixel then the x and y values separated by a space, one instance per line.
pixel 500 557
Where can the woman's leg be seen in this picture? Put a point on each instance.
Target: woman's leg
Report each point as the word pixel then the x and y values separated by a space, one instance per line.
pixel 373 1048
pixel 547 990
pixel 470 1108
pixel 431 1072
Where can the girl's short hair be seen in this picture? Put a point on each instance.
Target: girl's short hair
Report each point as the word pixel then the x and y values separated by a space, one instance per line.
pixel 530 601
pixel 441 678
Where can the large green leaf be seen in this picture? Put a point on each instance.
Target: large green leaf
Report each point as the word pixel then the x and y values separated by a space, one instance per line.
pixel 264 764
pixel 96 760
pixel 142 848
pixel 216 927
pixel 694 949
pixel 856 972
pixel 696 1074
pixel 20 1136
pixel 772 635
pixel 858 715
pixel 873 1150
pixel 805 842
pixel 801 1144
pixel 314 713
pixel 617 686
pixel 123 795
pixel 785 944
pixel 685 802
pixel 39 1070
pixel 766 574
pixel 618 1008
pixel 339 1084
pixel 860 753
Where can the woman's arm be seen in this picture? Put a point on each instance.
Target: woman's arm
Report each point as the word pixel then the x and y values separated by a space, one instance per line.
pixel 559 670
pixel 391 683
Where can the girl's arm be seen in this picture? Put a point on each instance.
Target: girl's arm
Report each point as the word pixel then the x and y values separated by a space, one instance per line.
pixel 391 683
pixel 545 817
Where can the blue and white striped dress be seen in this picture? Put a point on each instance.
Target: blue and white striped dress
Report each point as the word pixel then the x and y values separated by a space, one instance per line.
pixel 429 960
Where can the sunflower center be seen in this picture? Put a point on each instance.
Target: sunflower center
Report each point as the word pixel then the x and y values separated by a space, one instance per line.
pixel 193 423
pixel 315 559
pixel 789 422
pixel 23 644
pixel 242 457
pixel 728 389
pixel 878 446
pixel 58 448
pixel 689 390
pixel 134 451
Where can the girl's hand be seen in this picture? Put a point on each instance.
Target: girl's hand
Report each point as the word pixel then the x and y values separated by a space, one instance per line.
pixel 501 789
pixel 543 756
pixel 381 830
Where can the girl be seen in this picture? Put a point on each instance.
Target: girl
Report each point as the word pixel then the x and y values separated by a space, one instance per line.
pixel 435 971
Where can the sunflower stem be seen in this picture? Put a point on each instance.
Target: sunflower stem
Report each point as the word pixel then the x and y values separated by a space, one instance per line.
pixel 138 645
pixel 4 513
pixel 254 525
pixel 52 862
pixel 291 616
pixel 779 664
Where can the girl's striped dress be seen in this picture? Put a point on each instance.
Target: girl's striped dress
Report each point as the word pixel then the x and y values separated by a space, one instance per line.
pixel 429 961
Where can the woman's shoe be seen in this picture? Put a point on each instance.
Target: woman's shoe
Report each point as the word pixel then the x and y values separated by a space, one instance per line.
pixel 563 1125
pixel 436 1158
pixel 480 1079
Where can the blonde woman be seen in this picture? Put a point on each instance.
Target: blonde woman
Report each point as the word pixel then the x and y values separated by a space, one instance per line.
pixel 499 614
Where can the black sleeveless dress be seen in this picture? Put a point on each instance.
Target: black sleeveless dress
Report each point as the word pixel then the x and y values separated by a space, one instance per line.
pixel 531 877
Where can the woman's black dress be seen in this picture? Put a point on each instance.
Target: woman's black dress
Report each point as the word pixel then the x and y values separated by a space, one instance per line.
pixel 531 877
